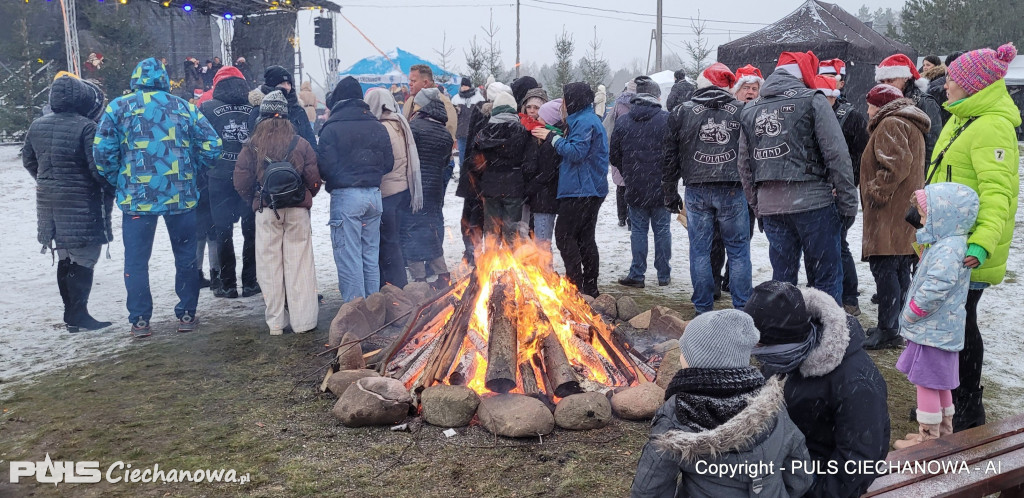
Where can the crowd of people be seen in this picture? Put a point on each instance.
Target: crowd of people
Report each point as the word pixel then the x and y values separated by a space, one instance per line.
pixel 934 168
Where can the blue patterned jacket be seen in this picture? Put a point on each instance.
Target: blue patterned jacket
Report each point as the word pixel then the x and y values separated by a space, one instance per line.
pixel 150 145
pixel 934 313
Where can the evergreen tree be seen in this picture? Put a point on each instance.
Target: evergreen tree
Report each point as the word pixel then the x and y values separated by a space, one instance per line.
pixel 476 63
pixel 944 26
pixel 593 68
pixel 564 73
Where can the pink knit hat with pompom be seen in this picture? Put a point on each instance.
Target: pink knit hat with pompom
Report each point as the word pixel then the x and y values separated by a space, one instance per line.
pixel 922 200
pixel 977 69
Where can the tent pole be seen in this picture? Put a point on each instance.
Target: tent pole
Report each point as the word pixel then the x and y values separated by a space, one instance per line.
pixel 517 38
pixel 657 52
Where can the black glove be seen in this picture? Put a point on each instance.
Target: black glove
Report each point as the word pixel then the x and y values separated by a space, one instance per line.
pixel 848 221
pixel 760 225
pixel 674 202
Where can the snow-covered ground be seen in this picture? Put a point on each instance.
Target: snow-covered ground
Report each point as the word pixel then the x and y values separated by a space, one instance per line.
pixel 32 339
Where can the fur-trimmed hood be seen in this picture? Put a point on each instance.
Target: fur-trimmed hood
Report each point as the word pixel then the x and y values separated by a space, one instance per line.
pixel 835 336
pixel 740 433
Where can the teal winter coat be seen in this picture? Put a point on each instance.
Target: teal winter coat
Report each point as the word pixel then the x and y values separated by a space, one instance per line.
pixel 151 145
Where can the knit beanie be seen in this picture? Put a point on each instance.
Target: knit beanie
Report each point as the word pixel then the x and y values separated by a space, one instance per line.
pixel 275 75
pixel 644 84
pixel 274 104
pixel 522 85
pixel 882 94
pixel 347 88
pixel 494 88
pixel 465 82
pixel 426 96
pixel 719 339
pixel 779 312
pixel 922 200
pixel 535 93
pixel 503 103
pixel 630 87
pixel 551 112
pixel 977 69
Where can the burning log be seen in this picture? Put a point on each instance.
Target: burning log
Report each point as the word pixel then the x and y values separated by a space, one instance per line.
pixel 562 377
pixel 460 375
pixel 452 335
pixel 529 378
pixel 503 343
pixel 620 364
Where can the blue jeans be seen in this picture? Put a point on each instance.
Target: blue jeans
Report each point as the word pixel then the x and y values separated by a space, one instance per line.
pixel 728 207
pixel 137 232
pixel 850 283
pixel 543 226
pixel 815 234
pixel 659 220
pixel 355 237
pixel 462 154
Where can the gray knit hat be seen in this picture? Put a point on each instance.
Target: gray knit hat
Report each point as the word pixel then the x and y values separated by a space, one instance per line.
pixel 719 339
pixel 274 103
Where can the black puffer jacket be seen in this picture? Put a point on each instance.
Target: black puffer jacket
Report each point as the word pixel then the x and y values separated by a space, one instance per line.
pixel 228 112
pixel 296 114
pixel 933 109
pixel 937 91
pixel 503 145
pixel 542 186
pixel 355 149
pixel 434 145
pixel 837 398
pixel 636 149
pixel 682 91
pixel 469 177
pixel 72 206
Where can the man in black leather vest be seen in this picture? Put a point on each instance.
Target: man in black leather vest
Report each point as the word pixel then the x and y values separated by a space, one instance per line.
pixel 793 158
pixel 702 148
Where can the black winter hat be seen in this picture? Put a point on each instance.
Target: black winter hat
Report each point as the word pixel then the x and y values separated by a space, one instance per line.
pixel 465 82
pixel 522 85
pixel 679 75
pixel 644 84
pixel 275 75
pixel 779 313
pixel 347 88
pixel 577 96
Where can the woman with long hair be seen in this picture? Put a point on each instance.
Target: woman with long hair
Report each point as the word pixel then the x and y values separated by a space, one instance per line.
pixel 284 244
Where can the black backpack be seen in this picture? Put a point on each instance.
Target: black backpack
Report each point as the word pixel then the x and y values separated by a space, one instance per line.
pixel 282 186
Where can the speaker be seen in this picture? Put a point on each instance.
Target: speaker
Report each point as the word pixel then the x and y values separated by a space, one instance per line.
pixel 323 34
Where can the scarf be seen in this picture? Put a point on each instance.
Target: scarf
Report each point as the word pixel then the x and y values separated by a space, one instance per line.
pixel 708 397
pixel 529 122
pixel 504 117
pixel 785 358
pixel 381 100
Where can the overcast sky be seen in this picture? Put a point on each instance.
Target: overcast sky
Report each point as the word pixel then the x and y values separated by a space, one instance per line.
pixel 418 26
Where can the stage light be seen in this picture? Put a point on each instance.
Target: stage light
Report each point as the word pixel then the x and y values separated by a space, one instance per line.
pixel 187 7
pixel 228 16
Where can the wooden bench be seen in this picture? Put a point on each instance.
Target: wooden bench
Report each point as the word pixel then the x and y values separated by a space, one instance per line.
pixel 993 454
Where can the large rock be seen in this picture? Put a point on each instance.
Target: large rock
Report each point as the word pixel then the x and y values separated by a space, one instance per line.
pixel 639 402
pixel 419 292
pixel 666 325
pixel 353 317
pixel 515 415
pixel 373 401
pixel 350 353
pixel 659 311
pixel 605 305
pixel 587 299
pixel 397 305
pixel 669 364
pixel 583 411
pixel 376 306
pixel 628 309
pixel 641 321
pixel 449 406
pixel 343 379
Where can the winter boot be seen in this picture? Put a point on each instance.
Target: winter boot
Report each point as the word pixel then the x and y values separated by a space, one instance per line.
pixel 926 432
pixel 970 412
pixel 203 282
pixel 946 427
pixel 62 284
pixel 79 286
pixel 251 290
pixel 851 309
pixel 883 339
pixel 215 282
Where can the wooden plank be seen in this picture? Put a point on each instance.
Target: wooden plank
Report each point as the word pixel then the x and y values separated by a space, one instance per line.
pixel 976 483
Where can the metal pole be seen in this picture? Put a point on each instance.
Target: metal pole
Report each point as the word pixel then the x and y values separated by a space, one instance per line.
pixel 657 52
pixel 71 37
pixel 517 38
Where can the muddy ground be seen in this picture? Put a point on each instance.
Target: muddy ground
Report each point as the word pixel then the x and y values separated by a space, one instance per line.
pixel 230 396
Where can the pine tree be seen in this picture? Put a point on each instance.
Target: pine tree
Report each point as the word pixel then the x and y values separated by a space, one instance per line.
pixel 564 74
pixel 476 63
pixel 494 65
pixel 945 26
pixel 593 68
pixel 698 49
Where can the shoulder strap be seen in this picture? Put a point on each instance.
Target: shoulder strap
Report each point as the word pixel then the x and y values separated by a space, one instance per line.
pixel 291 148
pixel 933 167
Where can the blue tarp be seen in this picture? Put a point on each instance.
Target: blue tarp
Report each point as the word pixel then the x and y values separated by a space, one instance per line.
pixel 377 71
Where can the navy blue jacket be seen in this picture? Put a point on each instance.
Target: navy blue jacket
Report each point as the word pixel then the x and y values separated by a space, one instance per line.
pixel 296 115
pixel 636 149
pixel 355 149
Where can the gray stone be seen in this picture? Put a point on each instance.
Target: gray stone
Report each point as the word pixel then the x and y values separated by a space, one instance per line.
pixel 641 321
pixel 669 366
pixel 668 345
pixel 605 305
pixel 397 305
pixel 588 299
pixel 638 402
pixel 659 311
pixel 373 401
pixel 667 327
pixel 350 353
pixel 376 305
pixel 351 318
pixel 343 379
pixel 515 415
pixel 449 406
pixel 583 411
pixel 419 292
pixel 628 309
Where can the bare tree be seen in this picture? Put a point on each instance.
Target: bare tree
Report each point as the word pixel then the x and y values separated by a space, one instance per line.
pixel 593 68
pixel 697 49
pixel 445 55
pixel 494 64
pixel 476 62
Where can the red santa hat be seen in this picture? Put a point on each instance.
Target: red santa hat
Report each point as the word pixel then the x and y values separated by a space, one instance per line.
pixel 803 65
pixel 833 67
pixel 899 66
pixel 717 74
pixel 747 74
pixel 826 85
